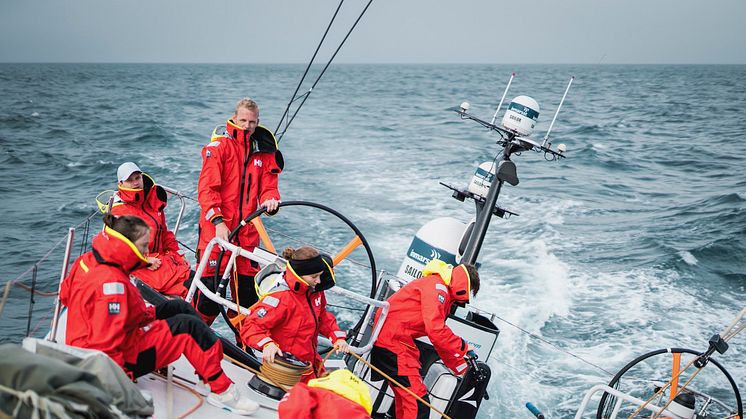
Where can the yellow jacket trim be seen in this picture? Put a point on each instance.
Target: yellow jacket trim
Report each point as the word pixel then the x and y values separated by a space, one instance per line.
pixel 130 189
pixel 437 266
pixel 300 278
pixel 127 241
pixel 84 266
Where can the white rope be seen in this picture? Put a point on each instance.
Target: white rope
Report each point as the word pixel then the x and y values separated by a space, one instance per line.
pixel 37 403
pixel 733 329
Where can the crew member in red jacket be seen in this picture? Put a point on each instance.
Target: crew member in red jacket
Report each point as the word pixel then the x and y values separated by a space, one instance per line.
pixel 239 173
pixel 106 312
pixel 138 195
pixel 339 395
pixel 419 309
pixel 290 317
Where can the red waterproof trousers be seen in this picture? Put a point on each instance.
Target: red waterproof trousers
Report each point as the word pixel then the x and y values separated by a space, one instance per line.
pixel 165 340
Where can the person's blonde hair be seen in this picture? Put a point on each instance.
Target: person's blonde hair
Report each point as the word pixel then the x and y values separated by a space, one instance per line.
pixel 247 103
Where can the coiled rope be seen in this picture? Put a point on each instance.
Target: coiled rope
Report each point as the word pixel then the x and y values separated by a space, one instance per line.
pixel 283 374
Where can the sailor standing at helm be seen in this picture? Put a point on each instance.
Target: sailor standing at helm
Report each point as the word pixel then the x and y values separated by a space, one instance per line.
pixel 417 310
pixel 240 167
pixel 290 316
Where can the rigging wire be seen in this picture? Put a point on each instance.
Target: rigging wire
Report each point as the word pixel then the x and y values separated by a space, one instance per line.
pixel 541 339
pixel 308 67
pixel 308 93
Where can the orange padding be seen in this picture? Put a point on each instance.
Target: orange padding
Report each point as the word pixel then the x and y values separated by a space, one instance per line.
pixel 263 234
pixel 675 371
pixel 352 245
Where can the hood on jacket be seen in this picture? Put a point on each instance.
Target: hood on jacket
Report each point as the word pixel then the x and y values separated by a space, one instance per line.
pixel 456 278
pixel 262 140
pixel 111 247
pixel 150 191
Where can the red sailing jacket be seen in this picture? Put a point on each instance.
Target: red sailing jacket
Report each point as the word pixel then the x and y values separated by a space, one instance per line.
pixel 303 401
pixel 292 319
pixel 104 310
pixel 238 174
pixel 420 309
pixel 149 204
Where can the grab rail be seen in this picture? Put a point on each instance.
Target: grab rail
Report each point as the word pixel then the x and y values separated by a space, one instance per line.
pixel 263 257
pixel 618 405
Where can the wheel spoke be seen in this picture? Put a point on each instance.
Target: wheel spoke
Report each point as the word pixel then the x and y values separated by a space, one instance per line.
pixel 675 371
pixel 257 222
pixel 349 248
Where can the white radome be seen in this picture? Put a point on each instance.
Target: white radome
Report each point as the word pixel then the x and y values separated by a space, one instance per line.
pixel 521 116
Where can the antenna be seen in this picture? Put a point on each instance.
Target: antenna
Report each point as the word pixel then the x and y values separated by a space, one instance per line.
pixel 502 99
pixel 546 137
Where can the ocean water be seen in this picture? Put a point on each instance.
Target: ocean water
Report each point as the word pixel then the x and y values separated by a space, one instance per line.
pixel 635 242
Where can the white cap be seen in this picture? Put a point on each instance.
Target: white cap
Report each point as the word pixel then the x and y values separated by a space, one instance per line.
pixel 125 170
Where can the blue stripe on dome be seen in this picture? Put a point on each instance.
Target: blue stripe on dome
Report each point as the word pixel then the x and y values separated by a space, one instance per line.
pixel 523 110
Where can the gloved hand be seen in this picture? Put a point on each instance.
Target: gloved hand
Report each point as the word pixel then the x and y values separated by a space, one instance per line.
pixel 173 307
pixel 472 355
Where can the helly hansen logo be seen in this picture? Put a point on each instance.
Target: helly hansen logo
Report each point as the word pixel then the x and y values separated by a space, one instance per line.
pixel 317 301
pixel 257 162
pixel 441 298
pixel 114 308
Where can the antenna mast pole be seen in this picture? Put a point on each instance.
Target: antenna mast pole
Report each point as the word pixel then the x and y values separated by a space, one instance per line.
pixel 546 137
pixel 503 99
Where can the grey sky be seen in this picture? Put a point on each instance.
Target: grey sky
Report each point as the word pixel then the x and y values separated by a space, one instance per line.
pixel 393 31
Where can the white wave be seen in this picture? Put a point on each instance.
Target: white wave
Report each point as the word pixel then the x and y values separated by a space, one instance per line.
pixel 35 114
pixel 599 146
pixel 687 257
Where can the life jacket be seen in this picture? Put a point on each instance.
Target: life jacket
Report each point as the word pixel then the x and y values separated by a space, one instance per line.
pixel 339 395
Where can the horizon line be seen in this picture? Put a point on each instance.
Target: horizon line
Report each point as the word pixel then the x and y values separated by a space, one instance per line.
pixel 355 63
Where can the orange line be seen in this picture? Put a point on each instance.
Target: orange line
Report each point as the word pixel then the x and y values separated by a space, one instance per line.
pixel 352 245
pixel 675 371
pixel 263 234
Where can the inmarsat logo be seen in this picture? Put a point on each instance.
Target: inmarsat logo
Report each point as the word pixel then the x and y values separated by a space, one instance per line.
pixel 434 254
pixel 416 256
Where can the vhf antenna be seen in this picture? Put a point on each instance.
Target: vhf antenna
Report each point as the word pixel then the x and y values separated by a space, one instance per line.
pixel 546 136
pixel 503 99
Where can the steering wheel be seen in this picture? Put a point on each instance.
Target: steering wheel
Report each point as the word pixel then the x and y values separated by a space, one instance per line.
pixel 267 243
pixel 643 376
